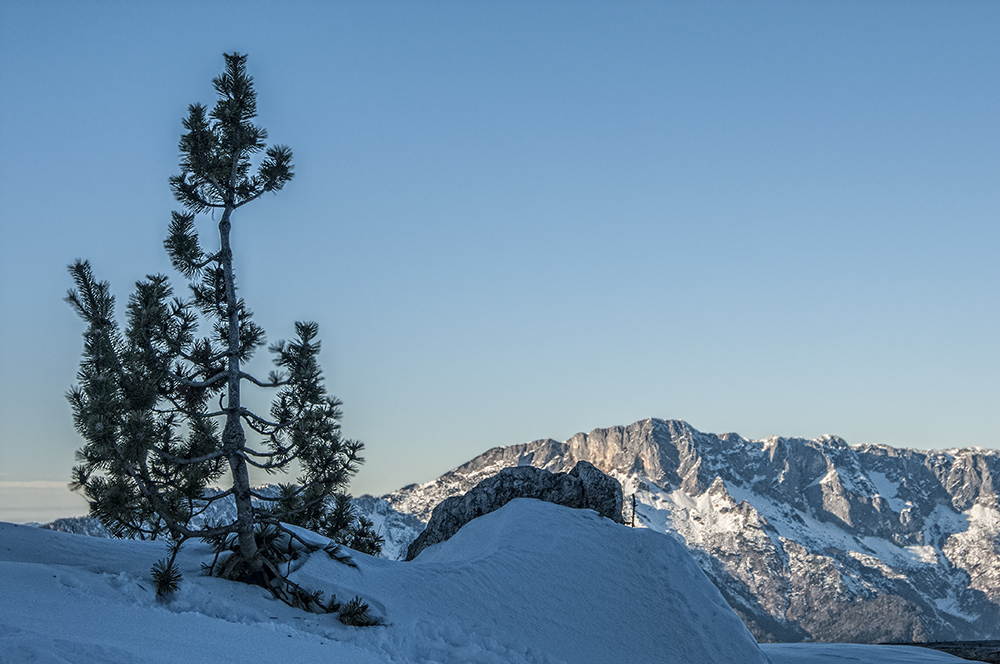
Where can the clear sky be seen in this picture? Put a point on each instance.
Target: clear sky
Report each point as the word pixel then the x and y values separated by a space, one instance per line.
pixel 519 220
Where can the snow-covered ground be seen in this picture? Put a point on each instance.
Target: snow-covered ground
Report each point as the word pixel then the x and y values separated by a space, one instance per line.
pixel 531 582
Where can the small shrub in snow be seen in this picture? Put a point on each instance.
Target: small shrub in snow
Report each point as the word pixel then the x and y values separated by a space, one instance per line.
pixel 166 576
pixel 356 614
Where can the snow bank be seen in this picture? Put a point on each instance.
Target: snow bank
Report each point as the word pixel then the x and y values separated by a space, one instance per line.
pixel 532 582
pixel 538 582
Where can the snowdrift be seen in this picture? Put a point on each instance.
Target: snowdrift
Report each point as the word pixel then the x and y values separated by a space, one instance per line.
pixel 531 582
pixel 535 581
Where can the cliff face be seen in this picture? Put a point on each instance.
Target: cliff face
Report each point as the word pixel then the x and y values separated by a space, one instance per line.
pixel 805 538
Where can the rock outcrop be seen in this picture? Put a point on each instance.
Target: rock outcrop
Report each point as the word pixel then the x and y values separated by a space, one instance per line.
pixel 583 487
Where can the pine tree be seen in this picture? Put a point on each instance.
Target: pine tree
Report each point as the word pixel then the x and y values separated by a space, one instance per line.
pixel 160 406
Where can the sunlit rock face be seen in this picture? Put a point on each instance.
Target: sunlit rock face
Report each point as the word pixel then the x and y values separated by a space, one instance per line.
pixel 805 538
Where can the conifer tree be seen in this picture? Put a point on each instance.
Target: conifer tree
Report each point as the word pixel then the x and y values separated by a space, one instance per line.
pixel 160 405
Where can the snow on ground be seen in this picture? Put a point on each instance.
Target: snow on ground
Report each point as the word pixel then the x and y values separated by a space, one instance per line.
pixel 852 653
pixel 531 582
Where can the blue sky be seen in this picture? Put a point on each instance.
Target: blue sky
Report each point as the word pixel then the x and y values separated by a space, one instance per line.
pixel 523 220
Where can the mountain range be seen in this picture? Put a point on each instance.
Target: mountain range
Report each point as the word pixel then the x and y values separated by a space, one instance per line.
pixel 806 539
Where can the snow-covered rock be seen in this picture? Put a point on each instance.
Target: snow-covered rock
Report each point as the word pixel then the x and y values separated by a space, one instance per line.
pixel 584 487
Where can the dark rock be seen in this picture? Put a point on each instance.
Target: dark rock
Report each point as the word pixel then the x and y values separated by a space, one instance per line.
pixel 977 651
pixel 583 487
pixel 601 493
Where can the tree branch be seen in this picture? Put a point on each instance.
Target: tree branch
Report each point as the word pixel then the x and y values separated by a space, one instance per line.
pixel 248 200
pixel 256 382
pixel 228 492
pixel 213 258
pixel 144 482
pixel 259 429
pixel 199 384
pixel 181 460
pixel 189 413
pixel 271 466
pixel 262 455
pixel 257 418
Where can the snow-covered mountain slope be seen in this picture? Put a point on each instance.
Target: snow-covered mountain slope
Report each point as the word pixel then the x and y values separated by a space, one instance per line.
pixel 805 538
pixel 531 582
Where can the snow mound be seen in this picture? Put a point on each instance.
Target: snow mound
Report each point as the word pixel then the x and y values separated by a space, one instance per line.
pixel 539 582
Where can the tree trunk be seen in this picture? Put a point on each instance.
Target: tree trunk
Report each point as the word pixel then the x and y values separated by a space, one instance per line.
pixel 233 437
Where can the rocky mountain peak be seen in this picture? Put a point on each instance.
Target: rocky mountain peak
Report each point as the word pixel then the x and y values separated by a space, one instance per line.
pixel 889 543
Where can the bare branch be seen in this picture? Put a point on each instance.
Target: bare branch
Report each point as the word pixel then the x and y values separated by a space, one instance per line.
pixel 210 500
pixel 219 496
pixel 257 418
pixel 272 466
pixel 259 383
pixel 268 455
pixel 259 429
